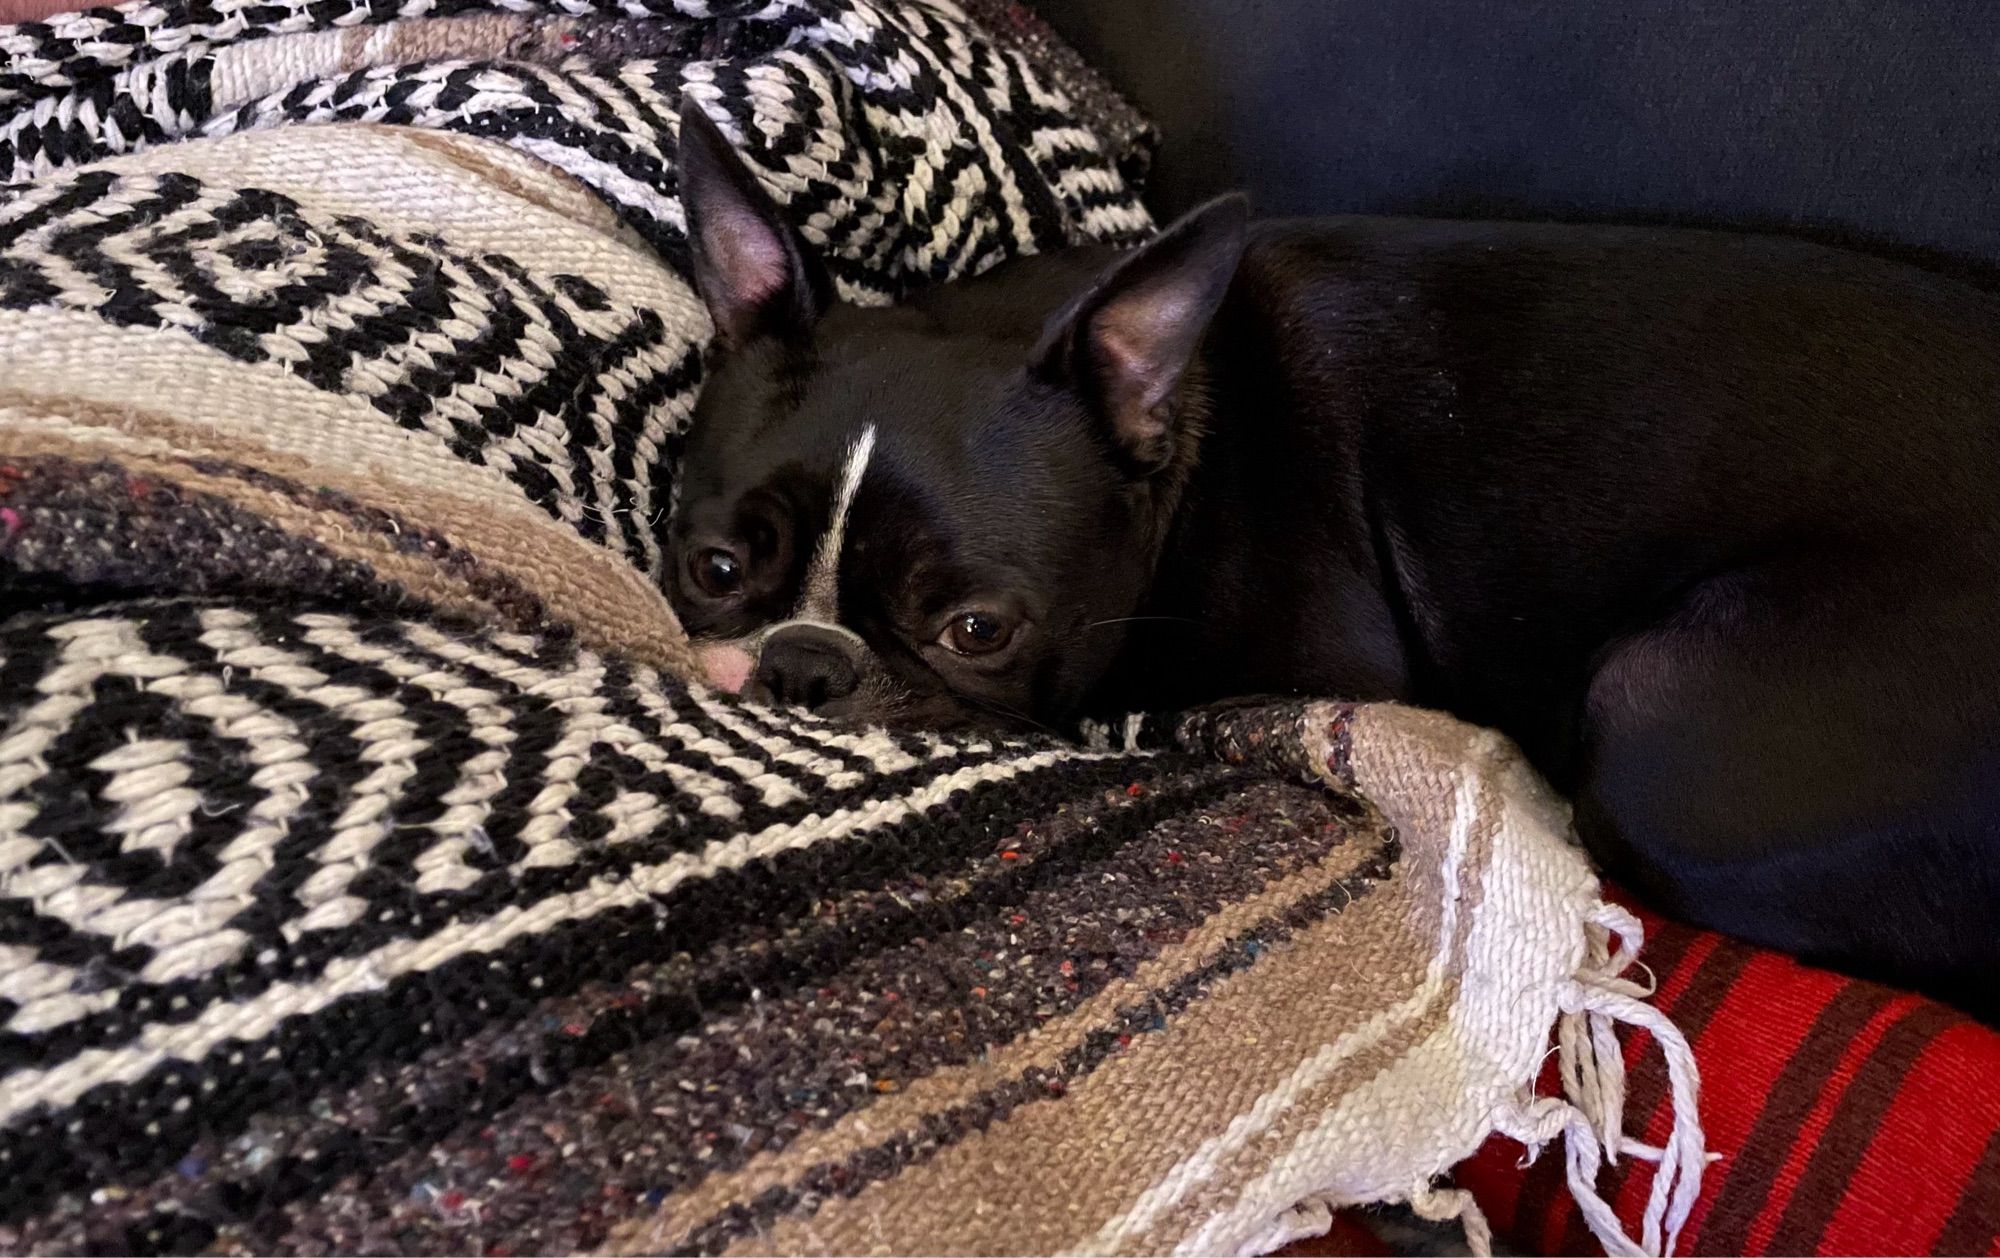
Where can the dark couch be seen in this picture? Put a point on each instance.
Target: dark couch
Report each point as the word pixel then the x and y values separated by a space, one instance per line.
pixel 1851 120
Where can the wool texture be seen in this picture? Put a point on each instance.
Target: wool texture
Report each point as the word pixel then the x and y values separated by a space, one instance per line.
pixel 373 878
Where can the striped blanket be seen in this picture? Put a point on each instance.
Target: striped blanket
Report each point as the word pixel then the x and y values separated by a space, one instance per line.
pixel 373 880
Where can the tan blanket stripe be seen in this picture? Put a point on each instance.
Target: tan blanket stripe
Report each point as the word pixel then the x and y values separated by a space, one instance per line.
pixel 242 74
pixel 936 1095
pixel 1329 1074
pixel 1042 1179
pixel 65 371
pixel 1083 1151
pixel 517 568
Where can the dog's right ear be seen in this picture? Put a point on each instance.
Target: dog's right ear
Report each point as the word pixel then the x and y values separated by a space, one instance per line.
pixel 751 267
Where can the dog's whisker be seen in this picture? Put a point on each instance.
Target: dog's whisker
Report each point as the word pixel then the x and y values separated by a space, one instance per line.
pixel 1000 709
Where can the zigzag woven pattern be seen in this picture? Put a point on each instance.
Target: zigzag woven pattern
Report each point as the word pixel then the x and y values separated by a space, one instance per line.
pixel 908 144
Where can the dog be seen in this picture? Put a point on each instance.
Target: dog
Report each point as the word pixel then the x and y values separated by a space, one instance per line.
pixel 1708 523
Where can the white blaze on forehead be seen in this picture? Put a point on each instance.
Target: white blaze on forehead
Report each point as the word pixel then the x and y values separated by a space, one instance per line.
pixel 819 599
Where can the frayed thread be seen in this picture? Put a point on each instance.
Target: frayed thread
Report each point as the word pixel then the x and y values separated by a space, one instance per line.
pixel 1589 1116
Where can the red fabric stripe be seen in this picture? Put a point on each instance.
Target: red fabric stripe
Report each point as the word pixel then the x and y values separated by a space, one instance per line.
pixel 1765 1227
pixel 1930 1142
pixel 1857 1118
pixel 1746 1047
pixel 1665 941
pixel 1528 1205
pixel 1974 1227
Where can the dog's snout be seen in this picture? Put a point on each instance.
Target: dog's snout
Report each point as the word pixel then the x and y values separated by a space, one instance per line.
pixel 807 667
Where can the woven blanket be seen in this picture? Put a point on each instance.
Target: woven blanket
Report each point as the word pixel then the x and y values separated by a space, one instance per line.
pixel 372 878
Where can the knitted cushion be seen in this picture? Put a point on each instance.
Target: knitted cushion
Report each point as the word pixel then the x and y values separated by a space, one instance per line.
pixel 371 877
pixel 1850 1119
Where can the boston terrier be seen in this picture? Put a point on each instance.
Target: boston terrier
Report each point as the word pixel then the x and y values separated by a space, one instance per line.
pixel 1708 523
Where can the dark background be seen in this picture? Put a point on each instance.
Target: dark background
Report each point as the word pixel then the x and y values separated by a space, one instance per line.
pixel 1866 122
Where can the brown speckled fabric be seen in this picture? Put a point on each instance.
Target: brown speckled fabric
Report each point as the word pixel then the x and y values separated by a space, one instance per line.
pixel 578 1146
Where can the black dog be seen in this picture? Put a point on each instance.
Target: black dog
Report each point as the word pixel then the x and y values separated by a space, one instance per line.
pixel 1709 524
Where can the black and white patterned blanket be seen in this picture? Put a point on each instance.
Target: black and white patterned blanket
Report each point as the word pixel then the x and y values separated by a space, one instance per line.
pixel 336 427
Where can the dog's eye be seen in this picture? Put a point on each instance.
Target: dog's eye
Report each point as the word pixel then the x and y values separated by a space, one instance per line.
pixel 976 633
pixel 716 572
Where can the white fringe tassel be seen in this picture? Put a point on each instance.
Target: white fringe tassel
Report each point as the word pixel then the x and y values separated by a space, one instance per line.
pixel 1442 1205
pixel 1099 736
pixel 1590 1114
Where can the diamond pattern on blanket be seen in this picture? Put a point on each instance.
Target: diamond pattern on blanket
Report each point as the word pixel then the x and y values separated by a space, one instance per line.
pixel 224 822
pixel 544 376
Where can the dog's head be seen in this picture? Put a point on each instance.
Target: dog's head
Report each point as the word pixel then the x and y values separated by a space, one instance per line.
pixel 937 514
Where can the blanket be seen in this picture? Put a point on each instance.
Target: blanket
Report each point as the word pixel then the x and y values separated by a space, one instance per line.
pixel 373 878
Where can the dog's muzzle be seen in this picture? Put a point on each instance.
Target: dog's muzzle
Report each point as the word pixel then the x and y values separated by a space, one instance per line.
pixel 802 663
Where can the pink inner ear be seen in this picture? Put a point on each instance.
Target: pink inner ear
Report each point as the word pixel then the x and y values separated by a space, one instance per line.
pixel 1135 379
pixel 727 666
pixel 753 260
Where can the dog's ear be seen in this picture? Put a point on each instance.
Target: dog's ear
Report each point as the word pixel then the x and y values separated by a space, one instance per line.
pixel 1125 343
pixel 751 268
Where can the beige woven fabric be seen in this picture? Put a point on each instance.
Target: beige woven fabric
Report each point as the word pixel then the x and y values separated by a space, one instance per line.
pixel 1355 1063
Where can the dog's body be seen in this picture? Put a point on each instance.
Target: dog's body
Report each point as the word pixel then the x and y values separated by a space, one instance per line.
pixel 1710 524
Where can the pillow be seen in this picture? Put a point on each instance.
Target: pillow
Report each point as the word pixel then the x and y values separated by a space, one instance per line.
pixel 1849 1118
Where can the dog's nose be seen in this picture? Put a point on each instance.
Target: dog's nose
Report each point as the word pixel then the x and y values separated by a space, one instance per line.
pixel 807 667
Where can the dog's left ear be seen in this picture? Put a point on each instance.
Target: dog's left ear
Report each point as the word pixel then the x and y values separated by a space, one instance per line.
pixel 1127 341
pixel 752 269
